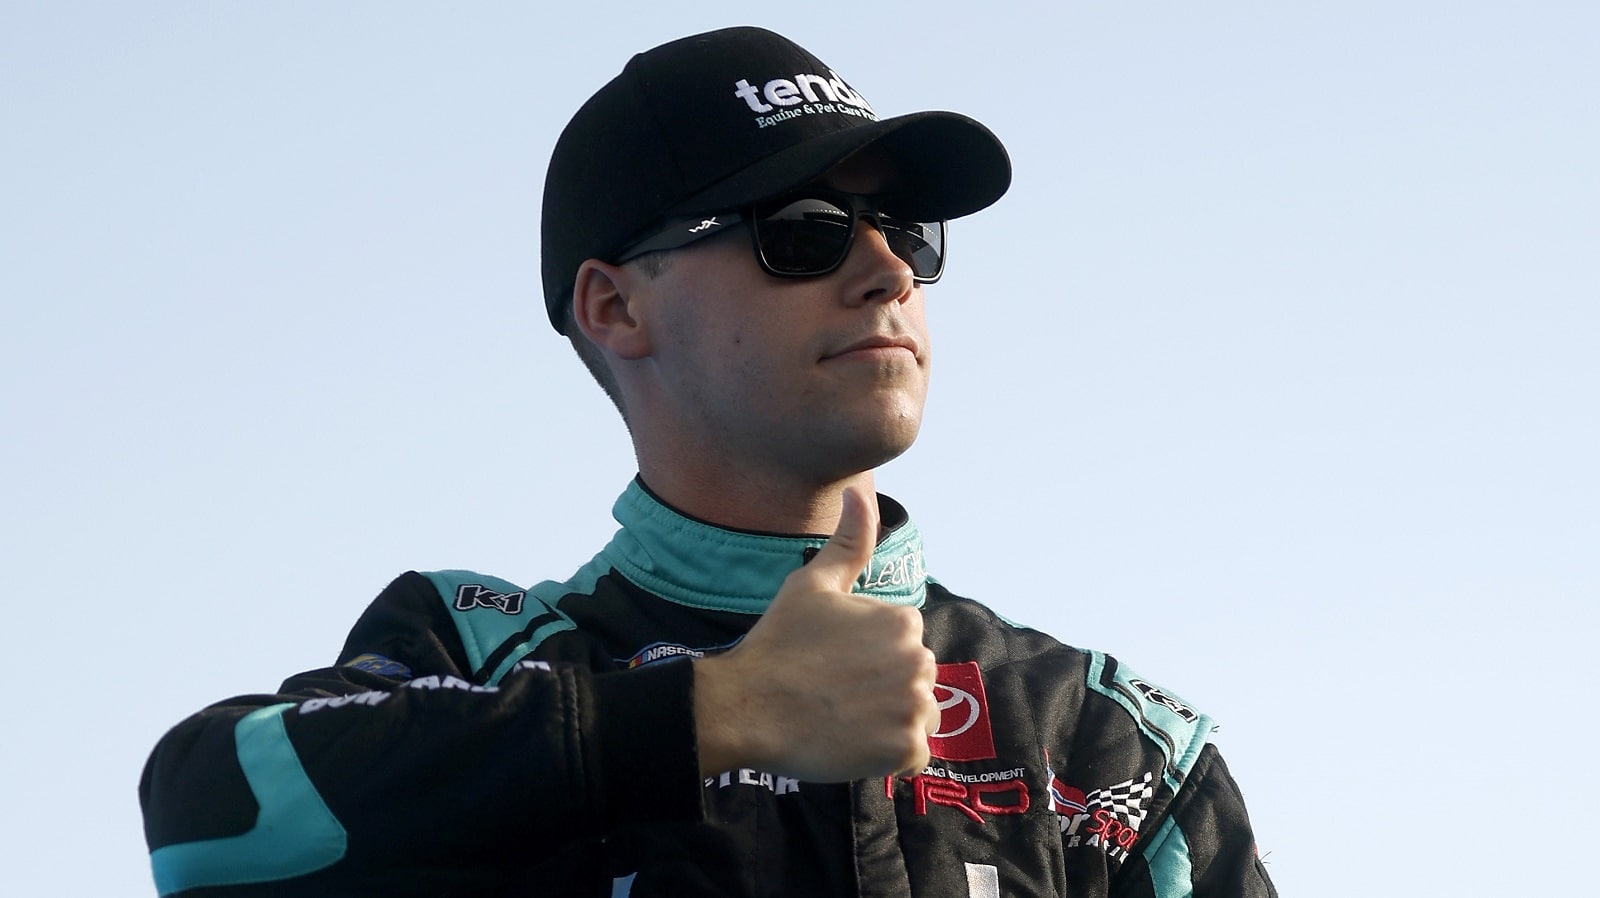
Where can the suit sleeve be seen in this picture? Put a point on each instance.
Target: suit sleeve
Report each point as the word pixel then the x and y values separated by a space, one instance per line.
pixel 1149 808
pixel 399 772
pixel 1204 847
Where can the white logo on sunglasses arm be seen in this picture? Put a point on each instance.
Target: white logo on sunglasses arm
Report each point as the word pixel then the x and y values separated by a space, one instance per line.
pixel 706 223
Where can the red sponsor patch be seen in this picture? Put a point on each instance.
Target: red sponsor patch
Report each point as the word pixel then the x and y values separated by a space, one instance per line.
pixel 1067 800
pixel 973 799
pixel 964 733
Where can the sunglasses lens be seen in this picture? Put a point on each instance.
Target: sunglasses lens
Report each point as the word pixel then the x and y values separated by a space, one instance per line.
pixel 804 236
pixel 920 244
pixel 811 235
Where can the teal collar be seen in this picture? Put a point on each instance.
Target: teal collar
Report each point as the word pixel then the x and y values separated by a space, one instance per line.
pixel 702 565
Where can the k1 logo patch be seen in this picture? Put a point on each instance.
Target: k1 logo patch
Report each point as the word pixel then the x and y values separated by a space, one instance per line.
pixel 964 732
pixel 472 595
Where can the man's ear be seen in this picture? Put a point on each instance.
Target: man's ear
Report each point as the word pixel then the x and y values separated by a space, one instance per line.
pixel 602 307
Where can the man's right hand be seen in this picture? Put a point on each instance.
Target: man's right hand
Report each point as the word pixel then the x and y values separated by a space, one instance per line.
pixel 828 686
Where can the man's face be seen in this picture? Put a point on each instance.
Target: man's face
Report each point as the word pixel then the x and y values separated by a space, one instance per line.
pixel 820 377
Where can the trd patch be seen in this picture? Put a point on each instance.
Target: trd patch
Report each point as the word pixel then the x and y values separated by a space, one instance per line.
pixel 964 733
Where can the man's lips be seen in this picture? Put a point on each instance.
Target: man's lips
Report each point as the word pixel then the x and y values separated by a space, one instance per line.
pixel 878 346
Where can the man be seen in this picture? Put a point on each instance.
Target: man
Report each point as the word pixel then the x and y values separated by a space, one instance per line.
pixel 738 248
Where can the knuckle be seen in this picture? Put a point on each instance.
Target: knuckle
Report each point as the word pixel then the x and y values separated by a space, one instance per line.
pixel 916 756
pixel 907 622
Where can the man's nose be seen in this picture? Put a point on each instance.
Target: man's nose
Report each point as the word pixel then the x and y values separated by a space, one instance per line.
pixel 885 276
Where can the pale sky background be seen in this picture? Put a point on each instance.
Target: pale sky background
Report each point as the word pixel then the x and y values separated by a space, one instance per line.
pixel 1274 375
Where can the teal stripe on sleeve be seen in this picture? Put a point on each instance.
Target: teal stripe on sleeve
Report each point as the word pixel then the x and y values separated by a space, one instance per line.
pixel 1180 736
pixel 548 594
pixel 1171 868
pixel 295 832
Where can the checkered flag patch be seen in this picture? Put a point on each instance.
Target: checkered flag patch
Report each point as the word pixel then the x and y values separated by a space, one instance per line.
pixel 1128 800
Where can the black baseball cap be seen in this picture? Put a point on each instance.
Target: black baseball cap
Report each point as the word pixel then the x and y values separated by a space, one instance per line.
pixel 716 121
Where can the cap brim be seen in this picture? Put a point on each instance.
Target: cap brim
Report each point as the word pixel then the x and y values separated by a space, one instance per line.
pixel 947 165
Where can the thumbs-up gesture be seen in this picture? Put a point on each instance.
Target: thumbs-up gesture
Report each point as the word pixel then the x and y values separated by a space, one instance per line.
pixel 828 686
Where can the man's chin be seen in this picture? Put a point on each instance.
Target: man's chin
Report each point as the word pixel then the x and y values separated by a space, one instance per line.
pixel 884 446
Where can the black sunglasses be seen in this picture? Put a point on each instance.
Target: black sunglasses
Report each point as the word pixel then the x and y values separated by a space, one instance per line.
pixel 809 233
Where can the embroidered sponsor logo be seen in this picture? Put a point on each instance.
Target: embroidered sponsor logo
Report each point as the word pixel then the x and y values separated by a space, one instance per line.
pixel 1108 818
pixel 660 651
pixel 964 732
pixel 665 651
pixel 797 91
pixel 744 776
pixel 374 698
pixel 782 99
pixel 448 682
pixel 976 795
pixel 1154 695
pixel 380 665
pixel 367 699
pixel 1067 800
pixel 903 570
pixel 472 596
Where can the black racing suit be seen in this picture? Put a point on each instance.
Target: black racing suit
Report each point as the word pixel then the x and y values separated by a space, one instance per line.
pixel 477 738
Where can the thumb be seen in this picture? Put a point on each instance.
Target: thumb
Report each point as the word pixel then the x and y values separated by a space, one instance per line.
pixel 841 561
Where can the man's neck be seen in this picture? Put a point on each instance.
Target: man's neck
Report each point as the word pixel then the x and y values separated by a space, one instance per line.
pixel 761 504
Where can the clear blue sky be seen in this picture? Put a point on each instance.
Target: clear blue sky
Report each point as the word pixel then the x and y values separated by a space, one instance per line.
pixel 1274 375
